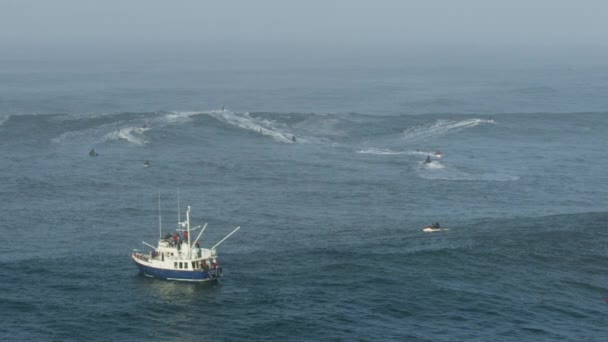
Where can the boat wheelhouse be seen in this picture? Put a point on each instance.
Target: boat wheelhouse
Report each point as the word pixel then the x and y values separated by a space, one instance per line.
pixel 179 257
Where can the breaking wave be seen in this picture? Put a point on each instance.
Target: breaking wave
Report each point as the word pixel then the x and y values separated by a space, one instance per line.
pixel 261 126
pixel 309 128
pixel 133 135
pixel 104 133
pixel 127 130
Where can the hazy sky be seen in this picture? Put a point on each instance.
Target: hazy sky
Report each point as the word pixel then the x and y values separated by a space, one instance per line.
pixel 47 25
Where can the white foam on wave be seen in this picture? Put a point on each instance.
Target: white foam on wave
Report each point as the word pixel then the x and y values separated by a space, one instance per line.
pixel 240 120
pixel 133 135
pixel 247 122
pixel 172 117
pixel 441 127
pixel 97 135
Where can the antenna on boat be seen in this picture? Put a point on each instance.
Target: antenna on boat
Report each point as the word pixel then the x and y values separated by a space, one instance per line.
pixel 160 226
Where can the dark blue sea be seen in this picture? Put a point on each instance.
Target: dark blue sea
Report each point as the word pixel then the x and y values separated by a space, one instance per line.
pixel 330 246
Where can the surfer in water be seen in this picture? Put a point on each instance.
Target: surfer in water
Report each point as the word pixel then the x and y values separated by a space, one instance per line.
pixel 147 163
pixel 293 138
pixel 92 153
pixel 428 159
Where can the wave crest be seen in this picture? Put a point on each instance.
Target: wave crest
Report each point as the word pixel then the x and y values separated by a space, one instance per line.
pixel 133 135
pixel 262 126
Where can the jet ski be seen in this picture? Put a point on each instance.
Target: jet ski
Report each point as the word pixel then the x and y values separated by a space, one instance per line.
pixel 146 163
pixel 428 160
pixel 438 154
pixel 435 227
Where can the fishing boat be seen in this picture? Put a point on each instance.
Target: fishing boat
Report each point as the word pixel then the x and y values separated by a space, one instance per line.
pixel 179 257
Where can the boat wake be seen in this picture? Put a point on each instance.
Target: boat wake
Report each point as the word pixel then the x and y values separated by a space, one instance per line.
pixel 387 151
pixel 434 165
pixel 441 127
pixel 381 151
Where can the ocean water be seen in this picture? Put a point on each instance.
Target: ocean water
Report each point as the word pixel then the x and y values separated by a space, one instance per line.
pixel 331 246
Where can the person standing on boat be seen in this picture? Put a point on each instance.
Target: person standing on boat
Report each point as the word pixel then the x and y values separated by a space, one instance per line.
pixel 185 236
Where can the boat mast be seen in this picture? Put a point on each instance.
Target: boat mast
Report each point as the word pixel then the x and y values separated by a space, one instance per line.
pixel 188 227
pixel 179 219
pixel 160 228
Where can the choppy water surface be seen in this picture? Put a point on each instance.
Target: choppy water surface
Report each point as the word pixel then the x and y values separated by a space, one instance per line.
pixel 330 245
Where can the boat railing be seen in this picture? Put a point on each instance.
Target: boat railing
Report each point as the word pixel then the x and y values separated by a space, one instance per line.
pixel 141 256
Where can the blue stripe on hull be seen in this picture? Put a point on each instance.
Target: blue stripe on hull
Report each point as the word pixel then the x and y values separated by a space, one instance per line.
pixel 175 274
